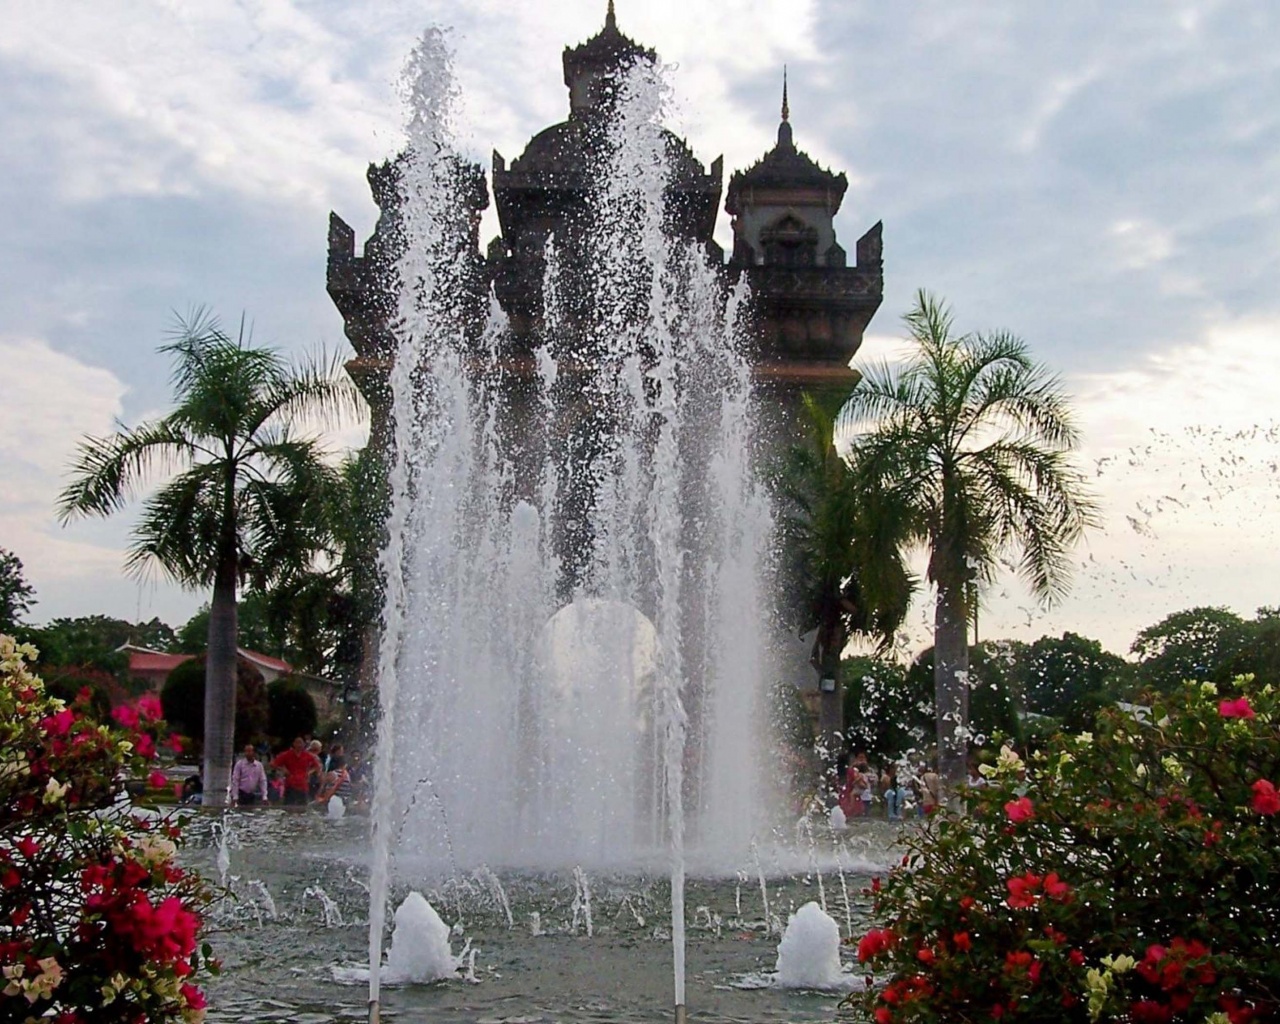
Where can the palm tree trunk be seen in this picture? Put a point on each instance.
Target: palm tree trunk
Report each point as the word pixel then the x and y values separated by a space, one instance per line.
pixel 831 702
pixel 950 681
pixel 220 686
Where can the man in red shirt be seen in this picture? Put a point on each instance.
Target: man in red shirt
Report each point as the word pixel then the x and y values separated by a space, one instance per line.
pixel 298 764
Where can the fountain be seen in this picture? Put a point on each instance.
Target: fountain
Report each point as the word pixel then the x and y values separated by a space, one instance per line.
pixel 572 651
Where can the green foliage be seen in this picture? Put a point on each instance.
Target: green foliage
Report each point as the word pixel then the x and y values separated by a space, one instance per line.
pixel 291 711
pixel 182 698
pixel 254 630
pixel 1208 643
pixel 888 711
pixel 1127 875
pixel 16 594
pixel 1072 678
pixel 93 641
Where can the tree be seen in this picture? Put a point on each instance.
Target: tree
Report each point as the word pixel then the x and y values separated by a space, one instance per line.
pixel 246 495
pixel 1072 678
pixel 291 711
pixel 888 710
pixel 847 572
pixel 184 694
pixel 1197 643
pixel 16 594
pixel 965 450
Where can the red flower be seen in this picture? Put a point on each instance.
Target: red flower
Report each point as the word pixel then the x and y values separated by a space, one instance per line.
pixel 125 716
pixel 157 780
pixel 1022 891
pixel 874 943
pixel 962 941
pixel 174 742
pixel 193 997
pixel 10 879
pixel 1238 708
pixel 883 1015
pixel 19 916
pixel 1020 810
pixel 1147 1011
pixel 925 955
pixel 1265 798
pixel 27 846
pixel 1076 957
pixel 1055 888
pixel 966 902
pixel 145 745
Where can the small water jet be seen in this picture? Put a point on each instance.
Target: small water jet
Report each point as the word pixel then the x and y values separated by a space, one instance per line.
pixel 809 953
pixel 420 952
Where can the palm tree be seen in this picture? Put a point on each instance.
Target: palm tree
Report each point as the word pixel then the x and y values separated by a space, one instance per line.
pixel 967 448
pixel 245 495
pixel 848 573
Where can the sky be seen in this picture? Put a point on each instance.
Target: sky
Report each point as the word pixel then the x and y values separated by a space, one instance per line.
pixel 1101 179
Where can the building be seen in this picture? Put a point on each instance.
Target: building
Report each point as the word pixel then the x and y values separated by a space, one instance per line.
pixel 810 306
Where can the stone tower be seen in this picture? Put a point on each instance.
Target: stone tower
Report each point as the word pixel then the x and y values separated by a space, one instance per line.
pixel 809 307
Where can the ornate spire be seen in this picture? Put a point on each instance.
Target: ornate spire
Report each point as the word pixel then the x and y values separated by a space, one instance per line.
pixel 784 128
pixel 610 17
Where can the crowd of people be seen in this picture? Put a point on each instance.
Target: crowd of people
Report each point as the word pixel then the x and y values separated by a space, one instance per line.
pixel 302 774
pixel 901 791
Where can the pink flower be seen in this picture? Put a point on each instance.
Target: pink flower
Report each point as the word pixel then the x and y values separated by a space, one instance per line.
pixel 125 716
pixel 174 743
pixel 149 707
pixel 157 780
pixel 1265 798
pixel 1238 708
pixel 145 745
pixel 1020 810
pixel 59 724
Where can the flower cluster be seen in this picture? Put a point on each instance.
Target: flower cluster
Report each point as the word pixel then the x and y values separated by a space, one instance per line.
pixel 97 921
pixel 1128 875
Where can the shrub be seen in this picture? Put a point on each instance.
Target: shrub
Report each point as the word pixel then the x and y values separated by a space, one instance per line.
pixel 291 711
pixel 98 924
pixel 1128 875
pixel 182 698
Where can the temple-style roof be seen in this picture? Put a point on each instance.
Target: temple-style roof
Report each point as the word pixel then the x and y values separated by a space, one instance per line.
pixel 607 49
pixel 785 167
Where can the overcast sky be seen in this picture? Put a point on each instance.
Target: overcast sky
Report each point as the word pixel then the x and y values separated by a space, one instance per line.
pixel 1102 179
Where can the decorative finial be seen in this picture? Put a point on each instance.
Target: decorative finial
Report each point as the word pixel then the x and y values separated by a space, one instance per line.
pixel 610 17
pixel 786 109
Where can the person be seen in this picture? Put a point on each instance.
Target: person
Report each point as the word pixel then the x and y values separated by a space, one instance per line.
pixel 975 779
pixel 335 751
pixel 248 780
pixel 869 776
pixel 299 766
pixel 316 778
pixel 931 789
pixel 192 789
pixel 895 794
pixel 337 782
pixel 850 797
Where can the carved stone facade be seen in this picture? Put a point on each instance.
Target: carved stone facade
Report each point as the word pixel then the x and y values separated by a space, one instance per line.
pixel 809 308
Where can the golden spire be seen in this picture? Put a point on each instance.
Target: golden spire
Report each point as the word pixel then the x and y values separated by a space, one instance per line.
pixel 786 109
pixel 610 17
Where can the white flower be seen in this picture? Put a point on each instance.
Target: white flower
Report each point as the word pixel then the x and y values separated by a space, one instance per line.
pixel 54 791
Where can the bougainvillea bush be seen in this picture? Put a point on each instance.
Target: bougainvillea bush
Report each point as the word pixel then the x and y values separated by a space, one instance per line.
pixel 97 921
pixel 1131 874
